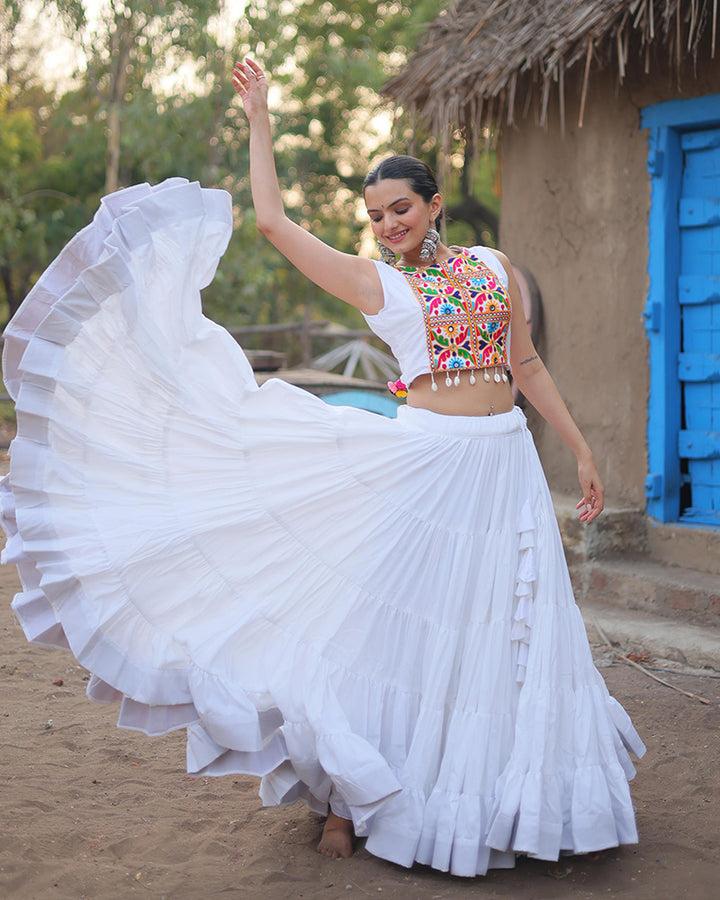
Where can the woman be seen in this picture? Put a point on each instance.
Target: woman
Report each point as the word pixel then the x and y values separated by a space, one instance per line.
pixel 374 615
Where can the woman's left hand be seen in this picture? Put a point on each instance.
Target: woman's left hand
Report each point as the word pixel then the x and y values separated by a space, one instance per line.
pixel 593 498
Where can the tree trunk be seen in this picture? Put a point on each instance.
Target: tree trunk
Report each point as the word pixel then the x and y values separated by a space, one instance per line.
pixel 11 296
pixel 121 43
pixel 470 210
pixel 112 167
pixel 478 216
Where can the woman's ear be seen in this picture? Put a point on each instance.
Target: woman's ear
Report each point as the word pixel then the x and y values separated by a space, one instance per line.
pixel 436 205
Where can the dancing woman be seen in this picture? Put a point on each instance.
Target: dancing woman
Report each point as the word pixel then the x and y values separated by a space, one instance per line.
pixel 374 615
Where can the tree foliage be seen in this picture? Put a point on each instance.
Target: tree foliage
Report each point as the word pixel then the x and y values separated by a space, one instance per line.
pixel 31 200
pixel 326 62
pixel 132 42
pixel 331 61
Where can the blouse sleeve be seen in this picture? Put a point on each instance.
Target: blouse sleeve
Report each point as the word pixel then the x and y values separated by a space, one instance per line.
pixel 400 323
pixel 393 288
pixel 485 254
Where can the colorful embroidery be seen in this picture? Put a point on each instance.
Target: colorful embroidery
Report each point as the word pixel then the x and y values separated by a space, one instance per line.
pixel 466 311
pixel 397 388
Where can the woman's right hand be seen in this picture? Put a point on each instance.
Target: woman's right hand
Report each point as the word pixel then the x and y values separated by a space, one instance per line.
pixel 249 81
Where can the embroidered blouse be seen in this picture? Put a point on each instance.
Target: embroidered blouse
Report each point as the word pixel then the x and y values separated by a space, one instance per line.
pixel 446 317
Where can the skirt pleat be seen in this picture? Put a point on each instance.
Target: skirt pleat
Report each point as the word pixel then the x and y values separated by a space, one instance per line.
pixel 331 600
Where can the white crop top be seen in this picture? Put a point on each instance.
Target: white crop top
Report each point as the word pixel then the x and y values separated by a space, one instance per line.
pixel 449 316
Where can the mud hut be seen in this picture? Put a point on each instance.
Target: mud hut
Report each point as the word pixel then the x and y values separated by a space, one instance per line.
pixel 606 114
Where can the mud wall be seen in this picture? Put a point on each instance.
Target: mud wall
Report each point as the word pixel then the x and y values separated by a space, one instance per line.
pixel 575 212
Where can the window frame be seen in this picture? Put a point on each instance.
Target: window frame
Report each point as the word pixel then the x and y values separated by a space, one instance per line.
pixel 667 122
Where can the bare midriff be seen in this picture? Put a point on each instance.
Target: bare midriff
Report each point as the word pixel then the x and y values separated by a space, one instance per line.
pixel 484 398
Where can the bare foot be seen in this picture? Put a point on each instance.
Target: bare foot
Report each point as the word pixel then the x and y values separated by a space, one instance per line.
pixel 337 838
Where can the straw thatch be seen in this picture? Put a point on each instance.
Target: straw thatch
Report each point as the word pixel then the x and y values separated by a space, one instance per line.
pixel 477 55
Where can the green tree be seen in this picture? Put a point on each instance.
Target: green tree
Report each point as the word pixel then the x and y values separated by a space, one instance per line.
pixel 38 211
pixel 327 65
pixel 326 62
pixel 57 154
pixel 19 150
pixel 133 44
pixel 30 224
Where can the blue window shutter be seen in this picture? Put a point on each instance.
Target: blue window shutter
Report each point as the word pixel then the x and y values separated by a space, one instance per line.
pixel 699 361
pixel 682 314
pixel 662 324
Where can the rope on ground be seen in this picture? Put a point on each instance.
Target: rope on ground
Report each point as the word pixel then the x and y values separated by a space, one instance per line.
pixel 685 674
pixel 623 658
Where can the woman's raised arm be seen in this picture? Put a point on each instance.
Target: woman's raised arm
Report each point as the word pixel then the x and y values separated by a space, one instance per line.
pixel 348 277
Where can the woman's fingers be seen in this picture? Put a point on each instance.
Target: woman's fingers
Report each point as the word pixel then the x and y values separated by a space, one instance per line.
pixel 591 505
pixel 239 78
pixel 257 71
pixel 247 72
pixel 593 499
pixel 246 77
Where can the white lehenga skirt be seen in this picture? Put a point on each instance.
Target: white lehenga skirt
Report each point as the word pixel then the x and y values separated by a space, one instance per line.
pixel 323 597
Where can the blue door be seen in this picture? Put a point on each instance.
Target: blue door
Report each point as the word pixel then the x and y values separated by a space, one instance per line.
pixel 699 297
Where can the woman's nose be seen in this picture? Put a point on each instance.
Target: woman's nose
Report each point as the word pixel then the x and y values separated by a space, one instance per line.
pixel 390 221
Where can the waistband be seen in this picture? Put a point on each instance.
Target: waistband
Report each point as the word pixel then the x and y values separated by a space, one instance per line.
pixel 462 426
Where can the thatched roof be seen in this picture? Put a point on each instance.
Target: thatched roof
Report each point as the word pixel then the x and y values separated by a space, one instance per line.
pixel 474 56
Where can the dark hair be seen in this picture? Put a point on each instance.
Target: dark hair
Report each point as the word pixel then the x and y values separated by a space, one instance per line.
pixel 418 175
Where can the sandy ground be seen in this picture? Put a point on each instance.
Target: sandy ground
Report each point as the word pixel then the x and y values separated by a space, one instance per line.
pixel 90 811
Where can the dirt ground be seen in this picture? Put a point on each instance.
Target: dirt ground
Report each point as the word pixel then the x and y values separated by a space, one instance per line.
pixel 89 811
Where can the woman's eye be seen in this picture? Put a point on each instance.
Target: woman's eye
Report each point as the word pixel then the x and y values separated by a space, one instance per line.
pixel 401 212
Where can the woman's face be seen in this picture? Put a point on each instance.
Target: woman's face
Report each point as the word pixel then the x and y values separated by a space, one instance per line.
pixel 400 218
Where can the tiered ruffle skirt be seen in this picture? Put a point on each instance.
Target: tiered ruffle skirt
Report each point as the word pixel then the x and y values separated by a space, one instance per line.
pixel 332 600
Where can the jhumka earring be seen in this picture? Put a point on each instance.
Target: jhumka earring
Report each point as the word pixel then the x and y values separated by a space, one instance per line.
pixel 386 254
pixel 431 241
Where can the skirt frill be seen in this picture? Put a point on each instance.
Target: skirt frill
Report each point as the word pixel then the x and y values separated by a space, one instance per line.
pixel 325 598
